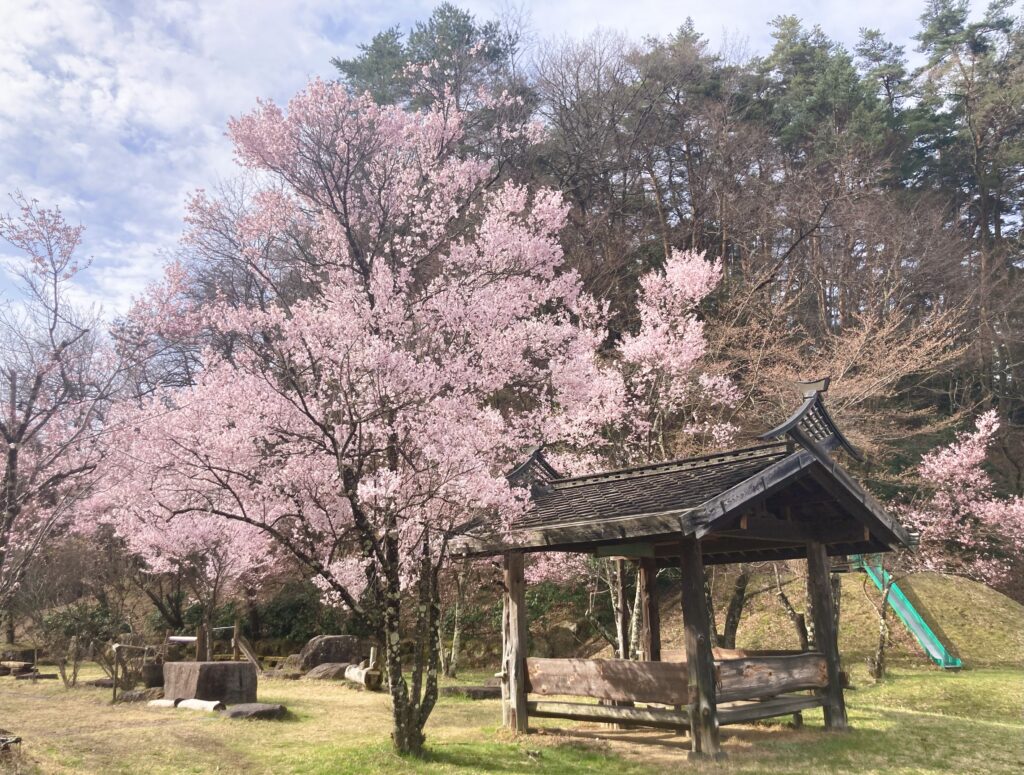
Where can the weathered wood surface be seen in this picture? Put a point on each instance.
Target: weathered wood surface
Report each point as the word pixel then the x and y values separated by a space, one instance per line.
pixel 578 711
pixel 741 713
pixel 617 680
pixel 757 677
pixel 699 661
pixel 515 642
pixel 819 592
pixel 650 622
pixel 679 655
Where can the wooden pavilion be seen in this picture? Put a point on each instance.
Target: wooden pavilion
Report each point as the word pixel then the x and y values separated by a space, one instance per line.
pixel 785 498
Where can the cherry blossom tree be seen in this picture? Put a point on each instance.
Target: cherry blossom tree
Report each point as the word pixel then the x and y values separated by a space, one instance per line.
pixel 413 333
pixel 56 377
pixel 965 527
pixel 673 406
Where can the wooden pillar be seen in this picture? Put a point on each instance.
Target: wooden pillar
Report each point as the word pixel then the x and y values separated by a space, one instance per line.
pixel 236 647
pixel 700 663
pixel 117 664
pixel 819 593
pixel 650 622
pixel 622 620
pixel 514 639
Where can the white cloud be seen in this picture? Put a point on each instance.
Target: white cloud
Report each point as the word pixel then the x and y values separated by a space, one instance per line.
pixel 115 109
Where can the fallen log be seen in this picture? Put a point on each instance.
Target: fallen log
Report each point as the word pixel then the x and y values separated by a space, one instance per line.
pixel 36 677
pixel 365 676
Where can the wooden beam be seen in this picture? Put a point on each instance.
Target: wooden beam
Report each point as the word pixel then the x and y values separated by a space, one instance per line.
pixel 650 622
pixel 578 711
pixel 753 678
pixel 700 663
pixel 613 680
pixel 778 706
pixel 819 593
pixel 514 639
pixel 625 550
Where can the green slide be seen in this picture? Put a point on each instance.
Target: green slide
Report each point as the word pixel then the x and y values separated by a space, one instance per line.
pixel 933 647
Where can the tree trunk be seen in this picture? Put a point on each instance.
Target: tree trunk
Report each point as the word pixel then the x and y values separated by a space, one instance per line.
pixel 798 619
pixel 9 632
pixel 451 667
pixel 735 610
pixel 878 661
pixel 635 622
pixel 709 602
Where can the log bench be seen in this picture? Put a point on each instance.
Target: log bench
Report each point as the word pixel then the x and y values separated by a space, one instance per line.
pixel 749 688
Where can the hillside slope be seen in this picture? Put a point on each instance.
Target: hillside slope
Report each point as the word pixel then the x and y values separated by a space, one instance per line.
pixel 986 628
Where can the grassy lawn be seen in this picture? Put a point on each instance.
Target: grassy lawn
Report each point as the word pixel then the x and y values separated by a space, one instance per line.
pixel 919 721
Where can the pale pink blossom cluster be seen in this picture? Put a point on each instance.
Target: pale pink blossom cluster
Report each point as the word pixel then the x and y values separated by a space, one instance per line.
pixel 965 527
pixel 440 336
pixel 662 361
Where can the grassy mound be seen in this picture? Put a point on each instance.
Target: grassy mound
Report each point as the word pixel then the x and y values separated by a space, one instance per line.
pixel 985 627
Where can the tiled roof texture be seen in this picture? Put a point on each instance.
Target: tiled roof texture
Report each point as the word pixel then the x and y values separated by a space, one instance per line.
pixel 650 489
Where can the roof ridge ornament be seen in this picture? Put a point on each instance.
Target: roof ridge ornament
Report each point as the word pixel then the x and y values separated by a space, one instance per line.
pixel 812 427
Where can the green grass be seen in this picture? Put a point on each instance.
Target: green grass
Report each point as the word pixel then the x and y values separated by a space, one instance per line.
pixel 920 720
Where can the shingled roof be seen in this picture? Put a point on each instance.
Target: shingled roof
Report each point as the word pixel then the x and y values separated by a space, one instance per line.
pixel 650 489
pixel 755 503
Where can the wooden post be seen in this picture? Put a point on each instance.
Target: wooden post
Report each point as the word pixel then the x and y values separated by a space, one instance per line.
pixel 650 622
pixel 622 621
pixel 700 663
pixel 117 661
pixel 236 646
pixel 515 643
pixel 201 647
pixel 819 593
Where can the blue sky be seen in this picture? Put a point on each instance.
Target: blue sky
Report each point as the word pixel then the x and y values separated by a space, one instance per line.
pixel 115 109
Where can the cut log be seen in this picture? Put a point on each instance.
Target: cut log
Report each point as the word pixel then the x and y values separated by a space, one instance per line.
pixel 618 680
pixel 758 677
pixel 36 677
pixel 741 713
pixel 578 711
pixel 162 703
pixel 365 676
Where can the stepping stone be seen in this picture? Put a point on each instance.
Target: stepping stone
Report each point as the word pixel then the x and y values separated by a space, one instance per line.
pixel 473 692
pixel 256 710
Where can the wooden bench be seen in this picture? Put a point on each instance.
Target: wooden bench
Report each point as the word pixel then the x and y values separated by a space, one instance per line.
pixel 748 688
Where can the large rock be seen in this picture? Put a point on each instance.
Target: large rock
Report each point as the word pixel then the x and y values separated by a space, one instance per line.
pixel 228 682
pixel 328 671
pixel 332 648
pixel 256 710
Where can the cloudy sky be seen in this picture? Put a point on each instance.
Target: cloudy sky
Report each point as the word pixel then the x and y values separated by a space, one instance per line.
pixel 115 109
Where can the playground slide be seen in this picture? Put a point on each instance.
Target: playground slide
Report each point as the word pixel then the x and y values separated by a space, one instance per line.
pixel 933 647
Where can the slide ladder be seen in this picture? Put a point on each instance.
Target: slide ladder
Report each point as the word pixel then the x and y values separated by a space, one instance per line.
pixel 930 642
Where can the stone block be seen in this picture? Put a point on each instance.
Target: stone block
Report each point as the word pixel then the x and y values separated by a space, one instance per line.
pixel 227 682
pixel 256 710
